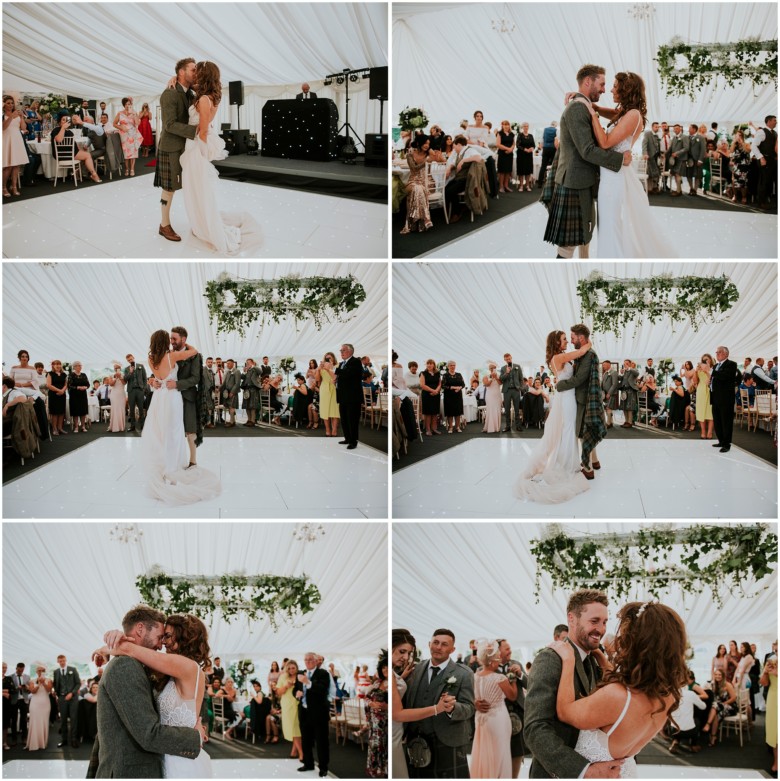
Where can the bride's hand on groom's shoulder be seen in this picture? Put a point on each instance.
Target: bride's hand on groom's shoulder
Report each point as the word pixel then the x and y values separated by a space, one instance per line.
pixel 171 83
pixel 601 658
pixel 113 638
pixel 562 648
pixel 568 97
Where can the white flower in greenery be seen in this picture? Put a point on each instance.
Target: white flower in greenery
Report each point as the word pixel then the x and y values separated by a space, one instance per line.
pixel 451 681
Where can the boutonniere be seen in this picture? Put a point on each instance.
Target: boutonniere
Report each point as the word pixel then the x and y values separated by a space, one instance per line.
pixel 451 681
pixel 511 677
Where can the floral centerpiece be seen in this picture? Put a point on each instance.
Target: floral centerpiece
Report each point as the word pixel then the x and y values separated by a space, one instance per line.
pixel 413 119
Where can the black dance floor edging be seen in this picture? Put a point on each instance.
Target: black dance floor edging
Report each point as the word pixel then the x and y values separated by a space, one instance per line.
pixel 757 443
pixel 63 445
pixel 342 180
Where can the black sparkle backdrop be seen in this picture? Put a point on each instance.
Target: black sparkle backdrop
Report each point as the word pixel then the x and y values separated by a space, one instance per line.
pixel 300 129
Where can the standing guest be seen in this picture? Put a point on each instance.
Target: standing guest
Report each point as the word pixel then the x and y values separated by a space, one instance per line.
pixel 40 709
pixel 430 386
pixel 145 129
pixel 769 680
pixel 732 660
pixel 629 384
pixel 412 377
pixel 9 696
pixel 679 404
pixel 14 152
pixel 314 714
pixel 506 146
pixel 452 392
pixel 677 157
pixel 725 379
pixel 218 671
pixel 66 686
pixel 306 93
pixel 610 385
pixel 512 668
pixel 273 677
pixel 349 394
pixel 43 385
pixel 741 678
pixel 755 687
pixel 287 686
pixel 57 382
pixel 63 134
pixel 525 158
pixel 126 122
pixel 511 386
pixel 697 150
pixel 135 382
pixel 231 386
pixel 688 374
pixel 207 379
pixel 491 755
pixel 651 148
pixel 118 399
pixel 764 149
pixel 253 384
pixel 302 399
pixel 33 118
pixel 311 372
pixel 549 145
pixel 78 385
pixel 377 713
pixel 492 383
pixel 325 375
pixel 418 215
pixel 740 166
pixel 20 707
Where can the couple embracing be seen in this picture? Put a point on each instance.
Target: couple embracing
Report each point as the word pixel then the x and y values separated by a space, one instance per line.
pixel 589 713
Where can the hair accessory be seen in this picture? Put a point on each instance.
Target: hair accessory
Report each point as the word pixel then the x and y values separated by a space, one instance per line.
pixel 642 609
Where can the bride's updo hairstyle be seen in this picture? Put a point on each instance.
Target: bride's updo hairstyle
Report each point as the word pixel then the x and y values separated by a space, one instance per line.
pixel 159 345
pixel 192 637
pixel 650 653
pixel 631 94
pixel 208 81
pixel 487 651
pixel 553 345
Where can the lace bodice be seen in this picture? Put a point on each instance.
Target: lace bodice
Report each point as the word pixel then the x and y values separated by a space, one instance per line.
pixel 626 144
pixel 566 371
pixel 593 744
pixel 173 374
pixel 174 711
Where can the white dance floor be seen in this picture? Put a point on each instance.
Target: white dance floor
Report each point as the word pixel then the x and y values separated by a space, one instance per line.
pixel 120 220
pixel 222 768
pixel 268 477
pixel 682 771
pixel 694 233
pixel 639 478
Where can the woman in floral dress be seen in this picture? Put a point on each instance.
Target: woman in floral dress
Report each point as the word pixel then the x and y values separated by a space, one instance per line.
pixel 418 215
pixel 377 711
pixel 740 166
pixel 126 122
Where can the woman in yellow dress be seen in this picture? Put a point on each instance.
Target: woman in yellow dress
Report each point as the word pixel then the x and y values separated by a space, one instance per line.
pixel 769 678
pixel 329 408
pixel 703 406
pixel 286 686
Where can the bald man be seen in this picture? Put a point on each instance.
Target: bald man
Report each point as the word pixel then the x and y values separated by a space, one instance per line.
pixel 306 93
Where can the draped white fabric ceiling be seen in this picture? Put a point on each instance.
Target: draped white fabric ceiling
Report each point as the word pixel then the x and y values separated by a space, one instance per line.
pixel 104 51
pixel 487 309
pixel 478 580
pixel 110 309
pixel 64 584
pixel 449 59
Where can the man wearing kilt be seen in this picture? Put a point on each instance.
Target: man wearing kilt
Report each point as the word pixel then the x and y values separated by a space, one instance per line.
pixel 175 106
pixel 570 192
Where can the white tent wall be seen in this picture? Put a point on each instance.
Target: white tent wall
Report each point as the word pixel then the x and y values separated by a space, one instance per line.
pixel 111 309
pixel 493 308
pixel 273 48
pixel 65 584
pixel 478 581
pixel 523 75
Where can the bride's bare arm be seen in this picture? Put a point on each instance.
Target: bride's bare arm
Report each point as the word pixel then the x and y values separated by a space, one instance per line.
pixel 203 107
pixel 624 129
pixel 175 665
pixel 183 355
pixel 563 358
pixel 445 705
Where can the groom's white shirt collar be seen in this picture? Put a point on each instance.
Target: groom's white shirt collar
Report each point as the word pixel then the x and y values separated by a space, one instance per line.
pixel 583 654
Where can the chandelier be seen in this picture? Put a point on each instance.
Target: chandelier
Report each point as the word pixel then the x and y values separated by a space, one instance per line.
pixel 126 533
pixel 641 11
pixel 308 532
pixel 503 25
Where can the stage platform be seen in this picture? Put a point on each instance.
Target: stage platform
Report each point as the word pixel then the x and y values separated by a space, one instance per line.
pixel 333 178
pixel 638 479
pixel 261 478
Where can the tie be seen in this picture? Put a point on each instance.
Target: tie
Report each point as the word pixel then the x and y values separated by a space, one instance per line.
pixel 589 669
pixel 434 672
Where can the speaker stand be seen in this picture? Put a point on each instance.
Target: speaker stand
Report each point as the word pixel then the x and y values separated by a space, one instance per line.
pixel 381 114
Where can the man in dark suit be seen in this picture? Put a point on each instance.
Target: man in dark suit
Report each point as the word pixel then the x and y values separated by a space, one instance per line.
pixel 349 394
pixel 550 740
pixel 724 382
pixel 66 686
pixel 219 671
pixel 314 713
pixel 20 709
pixel 306 93
pixel 511 386
pixel 265 368
pixel 188 382
pixel 135 381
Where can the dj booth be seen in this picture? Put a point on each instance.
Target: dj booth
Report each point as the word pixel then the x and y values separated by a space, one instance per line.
pixel 300 129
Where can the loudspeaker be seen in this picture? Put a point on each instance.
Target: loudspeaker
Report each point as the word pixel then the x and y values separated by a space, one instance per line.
pixel 236 93
pixel 377 85
pixel 377 149
pixel 240 141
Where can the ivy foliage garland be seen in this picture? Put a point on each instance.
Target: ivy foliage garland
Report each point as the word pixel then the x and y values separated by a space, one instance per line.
pixel 742 552
pixel 745 60
pixel 254 597
pixel 315 298
pixel 614 303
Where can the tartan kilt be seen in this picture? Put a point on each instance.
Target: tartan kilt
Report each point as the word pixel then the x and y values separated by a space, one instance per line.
pixel 167 172
pixel 571 219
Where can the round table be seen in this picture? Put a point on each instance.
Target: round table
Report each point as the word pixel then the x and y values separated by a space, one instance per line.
pixel 48 163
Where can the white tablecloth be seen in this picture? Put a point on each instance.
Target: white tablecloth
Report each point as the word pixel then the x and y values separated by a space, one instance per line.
pixel 469 407
pixel 48 163
pixel 93 408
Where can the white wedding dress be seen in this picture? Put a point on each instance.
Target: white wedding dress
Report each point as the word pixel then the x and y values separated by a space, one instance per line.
pixel 166 454
pixel 593 744
pixel 553 474
pixel 626 225
pixel 226 233
pixel 176 712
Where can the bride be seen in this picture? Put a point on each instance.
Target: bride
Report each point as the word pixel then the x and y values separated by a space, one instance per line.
pixel 183 684
pixel 223 232
pixel 626 226
pixel 639 690
pixel 165 452
pixel 554 473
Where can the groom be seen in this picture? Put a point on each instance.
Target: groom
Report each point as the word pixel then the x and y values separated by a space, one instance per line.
pixel 188 383
pixel 551 741
pixel 175 107
pixel 591 427
pixel 131 741
pixel 571 188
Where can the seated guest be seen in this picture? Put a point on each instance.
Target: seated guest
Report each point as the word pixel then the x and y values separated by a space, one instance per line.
pixel 369 375
pixel 306 93
pixel 418 215
pixel 11 397
pixel 647 385
pixel 479 391
pixel 437 139
pixel 683 716
pixel 463 169
pixel 448 147
pixel 533 405
pixel 34 119
pixel 679 403
pixel 748 384
pixel 272 385
pixel 63 134
pixel 412 377
pixel 505 142
pixel 103 393
pixel 405 139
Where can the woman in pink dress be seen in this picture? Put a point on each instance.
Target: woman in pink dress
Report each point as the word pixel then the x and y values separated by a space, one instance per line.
pixel 491 755
pixel 40 710
pixel 118 398
pixel 145 129
pixel 493 400
pixel 14 153
pixel 126 122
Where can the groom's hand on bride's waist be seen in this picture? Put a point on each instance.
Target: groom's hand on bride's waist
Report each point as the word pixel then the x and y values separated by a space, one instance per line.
pixel 610 769
pixel 171 385
pixel 627 157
